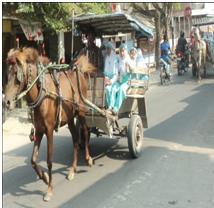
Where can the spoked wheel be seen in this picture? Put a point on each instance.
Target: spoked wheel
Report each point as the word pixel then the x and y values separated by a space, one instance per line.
pixel 135 136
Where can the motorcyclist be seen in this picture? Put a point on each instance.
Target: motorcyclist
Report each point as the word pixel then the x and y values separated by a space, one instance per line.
pixel 182 47
pixel 165 51
pixel 182 42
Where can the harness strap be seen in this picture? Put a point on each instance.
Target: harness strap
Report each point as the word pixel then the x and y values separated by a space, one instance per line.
pixel 42 92
pixel 59 109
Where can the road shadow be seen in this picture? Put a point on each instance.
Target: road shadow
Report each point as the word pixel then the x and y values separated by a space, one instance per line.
pixel 197 107
pixel 63 155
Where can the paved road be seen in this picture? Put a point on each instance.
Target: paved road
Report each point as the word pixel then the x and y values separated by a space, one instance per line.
pixel 176 168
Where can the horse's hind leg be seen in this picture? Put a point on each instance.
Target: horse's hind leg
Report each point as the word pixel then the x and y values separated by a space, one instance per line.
pixel 74 134
pixel 205 71
pixel 86 138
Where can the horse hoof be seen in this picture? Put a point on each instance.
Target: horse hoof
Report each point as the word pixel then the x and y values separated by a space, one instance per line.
pixel 90 162
pixel 70 176
pixel 47 197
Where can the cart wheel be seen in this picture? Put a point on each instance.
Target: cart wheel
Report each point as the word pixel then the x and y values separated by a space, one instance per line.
pixel 135 136
pixel 81 136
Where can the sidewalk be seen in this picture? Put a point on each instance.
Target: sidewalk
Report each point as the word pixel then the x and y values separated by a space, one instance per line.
pixel 16 129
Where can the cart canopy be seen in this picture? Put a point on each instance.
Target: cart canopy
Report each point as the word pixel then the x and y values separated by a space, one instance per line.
pixel 112 24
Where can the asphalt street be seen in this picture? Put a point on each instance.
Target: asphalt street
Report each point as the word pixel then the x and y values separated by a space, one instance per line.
pixel 176 168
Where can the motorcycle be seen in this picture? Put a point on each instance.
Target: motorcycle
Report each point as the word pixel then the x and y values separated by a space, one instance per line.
pixel 182 60
pixel 181 63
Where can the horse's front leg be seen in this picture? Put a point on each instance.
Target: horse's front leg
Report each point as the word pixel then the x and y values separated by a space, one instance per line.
pixel 49 135
pixel 199 73
pixel 199 66
pixel 74 134
pixel 205 71
pixel 86 138
pixel 42 175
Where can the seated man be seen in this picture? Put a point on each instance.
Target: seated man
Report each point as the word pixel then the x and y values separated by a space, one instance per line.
pixel 93 53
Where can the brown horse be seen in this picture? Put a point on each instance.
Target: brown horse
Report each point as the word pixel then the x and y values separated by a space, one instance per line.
pixel 23 68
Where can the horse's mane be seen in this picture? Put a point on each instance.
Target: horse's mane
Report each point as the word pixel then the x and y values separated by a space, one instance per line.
pixel 44 60
pixel 83 63
pixel 26 54
pixel 11 56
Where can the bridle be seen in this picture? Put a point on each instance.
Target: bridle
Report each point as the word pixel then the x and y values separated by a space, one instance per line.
pixel 26 79
pixel 20 76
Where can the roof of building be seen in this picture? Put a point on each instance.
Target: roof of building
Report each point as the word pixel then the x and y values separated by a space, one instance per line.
pixel 111 24
pixel 198 21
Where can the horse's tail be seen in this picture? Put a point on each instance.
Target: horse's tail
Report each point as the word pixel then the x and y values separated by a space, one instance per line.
pixel 83 63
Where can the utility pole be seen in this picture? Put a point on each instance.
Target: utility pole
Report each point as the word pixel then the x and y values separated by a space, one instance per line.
pixel 72 36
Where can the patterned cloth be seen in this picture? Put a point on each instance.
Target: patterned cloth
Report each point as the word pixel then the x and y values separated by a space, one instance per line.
pixel 120 87
pixel 110 72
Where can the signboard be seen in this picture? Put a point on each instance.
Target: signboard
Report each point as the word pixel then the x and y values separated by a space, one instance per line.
pixel 32 31
pixel 7 28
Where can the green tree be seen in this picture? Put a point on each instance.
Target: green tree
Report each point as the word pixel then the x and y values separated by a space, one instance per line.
pixel 53 16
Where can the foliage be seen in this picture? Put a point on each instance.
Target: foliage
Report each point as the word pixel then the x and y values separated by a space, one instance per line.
pixel 54 16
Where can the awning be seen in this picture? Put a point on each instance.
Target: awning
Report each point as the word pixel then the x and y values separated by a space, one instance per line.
pixel 112 24
pixel 199 21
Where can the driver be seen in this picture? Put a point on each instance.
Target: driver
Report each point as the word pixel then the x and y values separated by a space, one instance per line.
pixel 93 52
pixel 181 46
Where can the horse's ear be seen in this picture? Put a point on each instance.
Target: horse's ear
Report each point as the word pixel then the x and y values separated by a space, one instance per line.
pixel 18 62
pixel 19 70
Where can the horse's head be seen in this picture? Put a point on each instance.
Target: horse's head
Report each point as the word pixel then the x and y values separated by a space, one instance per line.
pixel 196 33
pixel 16 75
pixel 18 61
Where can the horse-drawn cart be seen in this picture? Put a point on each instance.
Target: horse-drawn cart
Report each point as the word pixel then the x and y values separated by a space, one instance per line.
pixel 99 120
pixel 58 93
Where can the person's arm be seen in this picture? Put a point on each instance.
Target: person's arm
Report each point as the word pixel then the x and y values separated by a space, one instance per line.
pixel 114 78
pixel 115 70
